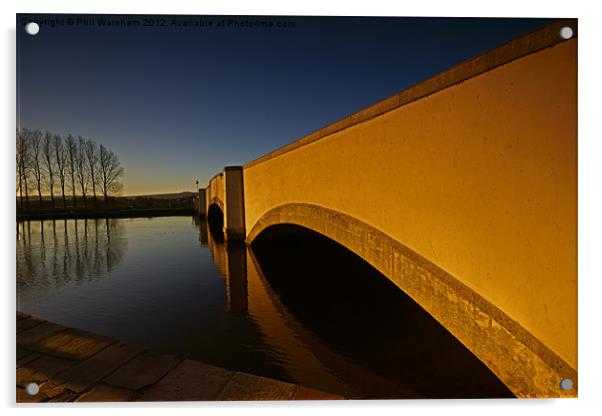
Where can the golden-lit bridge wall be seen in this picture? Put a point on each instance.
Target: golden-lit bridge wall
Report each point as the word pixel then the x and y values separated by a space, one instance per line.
pixel 215 193
pixel 462 190
pixel 226 191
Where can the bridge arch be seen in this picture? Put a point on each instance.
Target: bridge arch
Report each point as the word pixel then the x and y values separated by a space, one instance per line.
pixel 216 219
pixel 523 363
pixel 217 202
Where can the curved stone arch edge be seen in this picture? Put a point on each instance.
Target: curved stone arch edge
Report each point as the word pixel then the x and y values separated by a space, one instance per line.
pixel 522 362
pixel 216 201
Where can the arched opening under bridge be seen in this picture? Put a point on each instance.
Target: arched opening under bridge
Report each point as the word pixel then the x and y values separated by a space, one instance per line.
pixel 365 318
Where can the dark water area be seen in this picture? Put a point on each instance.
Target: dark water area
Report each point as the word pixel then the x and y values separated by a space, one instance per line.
pixel 295 306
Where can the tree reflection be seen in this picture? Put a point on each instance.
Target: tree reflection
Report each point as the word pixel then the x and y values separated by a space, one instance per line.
pixel 113 250
pixel 58 251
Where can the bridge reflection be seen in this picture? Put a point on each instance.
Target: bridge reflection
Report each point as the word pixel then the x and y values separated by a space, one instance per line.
pixel 248 292
pixel 338 325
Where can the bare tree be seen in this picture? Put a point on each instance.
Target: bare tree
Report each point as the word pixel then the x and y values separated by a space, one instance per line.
pixel 23 164
pixel 78 164
pixel 35 142
pixel 19 167
pixel 61 161
pixel 71 150
pixel 91 152
pixel 81 171
pixel 49 163
pixel 111 173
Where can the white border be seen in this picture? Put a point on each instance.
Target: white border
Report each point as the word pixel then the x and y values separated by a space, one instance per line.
pixel 590 207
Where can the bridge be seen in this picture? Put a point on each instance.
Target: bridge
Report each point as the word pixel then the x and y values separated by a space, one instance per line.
pixel 462 190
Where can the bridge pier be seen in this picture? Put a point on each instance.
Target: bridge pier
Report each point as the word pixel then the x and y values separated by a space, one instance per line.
pixel 226 191
pixel 202 203
pixel 234 217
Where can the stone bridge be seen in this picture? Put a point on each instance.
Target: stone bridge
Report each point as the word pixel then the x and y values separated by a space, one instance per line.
pixel 462 190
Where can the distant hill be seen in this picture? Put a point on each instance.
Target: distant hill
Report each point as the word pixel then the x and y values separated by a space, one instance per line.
pixel 177 195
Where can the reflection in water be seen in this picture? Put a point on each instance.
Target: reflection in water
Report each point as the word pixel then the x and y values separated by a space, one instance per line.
pixel 55 252
pixel 231 262
pixel 295 307
pixel 248 292
pixel 163 292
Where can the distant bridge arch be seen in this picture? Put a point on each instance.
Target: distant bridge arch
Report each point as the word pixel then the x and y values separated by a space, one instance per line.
pixel 218 203
pixel 215 219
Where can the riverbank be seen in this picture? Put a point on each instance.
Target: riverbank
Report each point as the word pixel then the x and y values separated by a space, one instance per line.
pixel 71 365
pixel 56 214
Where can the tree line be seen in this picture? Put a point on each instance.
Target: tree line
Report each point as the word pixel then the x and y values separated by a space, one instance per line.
pixel 66 168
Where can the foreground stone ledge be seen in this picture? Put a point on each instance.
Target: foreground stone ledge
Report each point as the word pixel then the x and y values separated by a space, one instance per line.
pixel 248 387
pixel 25 323
pixel 144 370
pixel 73 344
pixel 41 369
pixel 30 337
pixel 190 381
pixel 84 375
pixel 70 365
pixel 106 393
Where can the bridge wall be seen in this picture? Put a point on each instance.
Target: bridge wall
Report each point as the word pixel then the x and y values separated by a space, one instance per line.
pixel 215 191
pixel 478 178
pixel 235 206
pixel 226 191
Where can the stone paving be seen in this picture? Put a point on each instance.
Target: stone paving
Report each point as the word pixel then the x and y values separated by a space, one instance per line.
pixel 71 365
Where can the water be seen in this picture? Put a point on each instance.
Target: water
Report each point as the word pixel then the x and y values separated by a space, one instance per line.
pixel 295 307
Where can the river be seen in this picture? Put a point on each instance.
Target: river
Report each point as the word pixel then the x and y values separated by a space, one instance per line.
pixel 295 306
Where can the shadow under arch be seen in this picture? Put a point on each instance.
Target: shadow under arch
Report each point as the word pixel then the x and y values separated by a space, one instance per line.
pixel 522 362
pixel 357 323
pixel 215 221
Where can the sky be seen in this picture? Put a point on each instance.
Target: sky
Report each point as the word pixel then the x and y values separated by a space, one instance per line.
pixel 177 98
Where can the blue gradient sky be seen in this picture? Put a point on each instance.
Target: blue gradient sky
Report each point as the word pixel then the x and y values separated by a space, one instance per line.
pixel 178 104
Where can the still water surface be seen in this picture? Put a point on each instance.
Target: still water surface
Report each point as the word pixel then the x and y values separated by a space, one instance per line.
pixel 295 307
